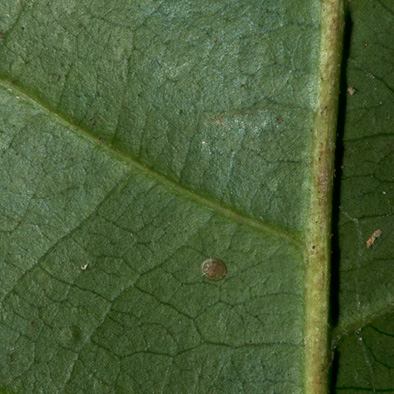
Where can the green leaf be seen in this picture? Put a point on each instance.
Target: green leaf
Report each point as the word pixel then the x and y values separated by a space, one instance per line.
pixel 366 284
pixel 366 358
pixel 140 139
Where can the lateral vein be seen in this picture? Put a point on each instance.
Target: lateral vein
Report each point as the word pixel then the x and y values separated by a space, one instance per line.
pixel 175 187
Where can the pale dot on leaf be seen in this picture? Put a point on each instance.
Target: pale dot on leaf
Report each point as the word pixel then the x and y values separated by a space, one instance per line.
pixel 214 269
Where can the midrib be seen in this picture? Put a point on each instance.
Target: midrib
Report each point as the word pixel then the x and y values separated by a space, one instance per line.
pixel 318 245
pixel 317 242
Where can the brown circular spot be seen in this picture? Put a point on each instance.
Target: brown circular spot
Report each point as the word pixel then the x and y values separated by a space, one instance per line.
pixel 214 269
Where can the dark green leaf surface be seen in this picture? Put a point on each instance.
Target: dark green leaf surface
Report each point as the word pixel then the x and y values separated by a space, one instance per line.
pixel 367 194
pixel 366 358
pixel 138 140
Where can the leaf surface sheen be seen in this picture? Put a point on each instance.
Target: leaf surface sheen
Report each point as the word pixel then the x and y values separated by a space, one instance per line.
pixel 155 136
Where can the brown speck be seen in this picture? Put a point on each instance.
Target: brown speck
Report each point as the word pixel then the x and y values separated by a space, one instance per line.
pixel 351 90
pixel 214 269
pixel 242 86
pixel 313 247
pixel 1 34
pixel 80 25
pixel 32 325
pixel 23 28
pixel 215 40
pixel 279 121
pixel 71 159
pixel 100 139
pixel 53 250
pixel 373 237
pixel 58 77
pixel 217 119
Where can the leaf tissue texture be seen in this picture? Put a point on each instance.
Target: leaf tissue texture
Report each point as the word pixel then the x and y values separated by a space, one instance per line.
pixel 139 139
pixel 366 281
pixel 193 90
pixel 368 167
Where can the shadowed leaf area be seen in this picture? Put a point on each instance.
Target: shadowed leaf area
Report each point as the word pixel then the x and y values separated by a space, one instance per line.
pixel 366 282
pixel 139 140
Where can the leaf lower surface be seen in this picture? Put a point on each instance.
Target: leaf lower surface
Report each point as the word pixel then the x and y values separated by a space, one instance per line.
pixel 138 140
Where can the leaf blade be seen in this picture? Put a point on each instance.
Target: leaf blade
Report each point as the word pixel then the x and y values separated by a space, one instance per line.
pixel 365 274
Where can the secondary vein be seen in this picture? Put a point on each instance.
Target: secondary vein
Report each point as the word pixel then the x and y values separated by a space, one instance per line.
pixel 357 324
pixel 137 166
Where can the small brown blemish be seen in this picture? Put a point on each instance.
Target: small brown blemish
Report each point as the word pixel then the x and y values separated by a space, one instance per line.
pixel 351 90
pixel 32 325
pixel 217 119
pixel 373 237
pixel 100 139
pixel 279 121
pixel 214 269
pixel 243 85
pixel 58 77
